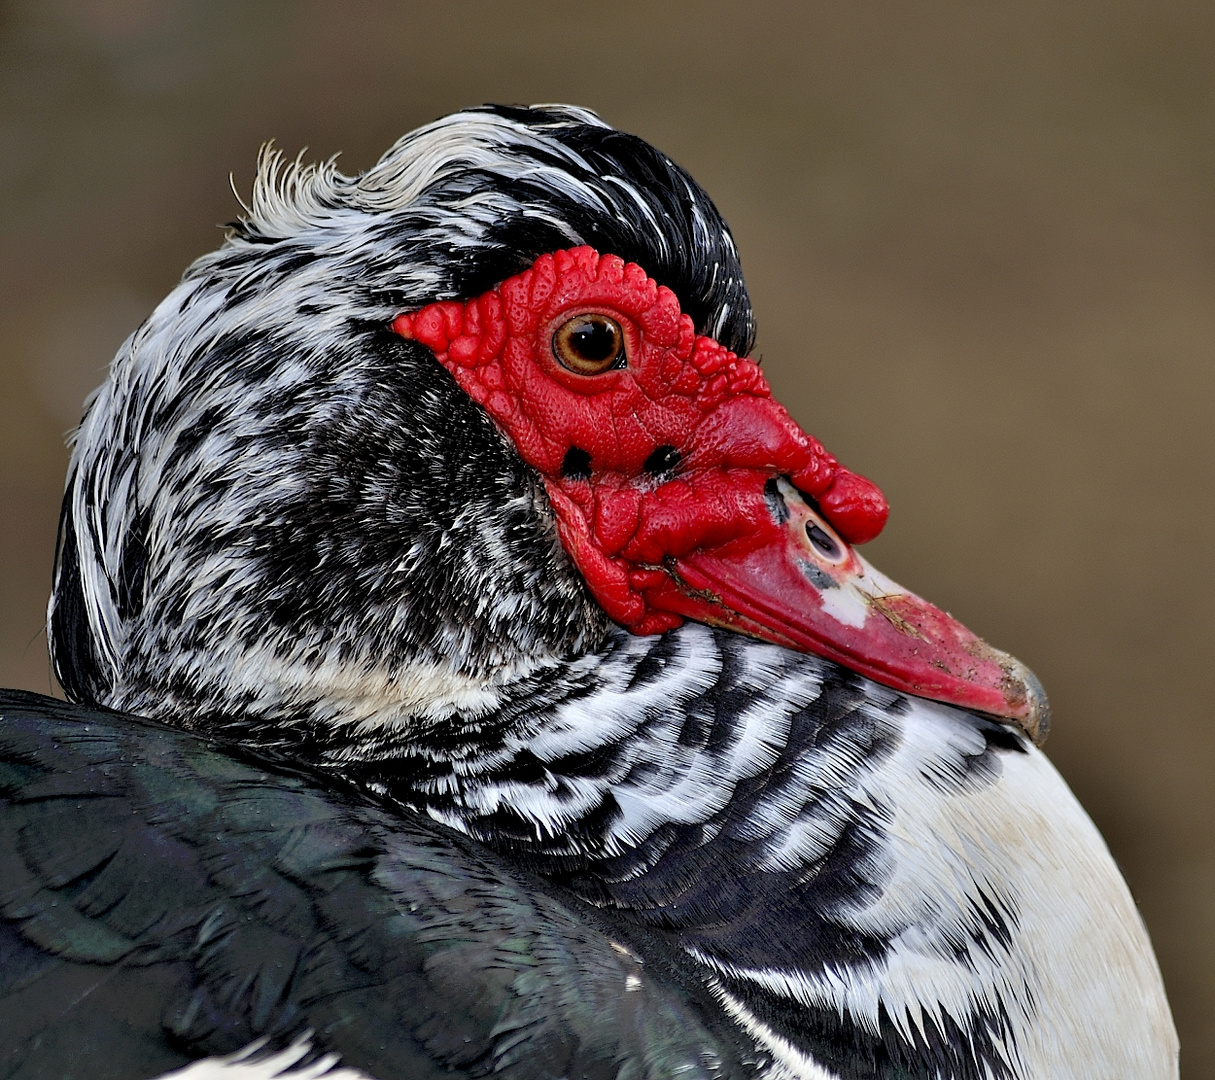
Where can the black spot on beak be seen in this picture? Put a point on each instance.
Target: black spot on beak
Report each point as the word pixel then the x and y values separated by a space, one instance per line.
pixel 576 465
pixel 664 460
pixel 775 501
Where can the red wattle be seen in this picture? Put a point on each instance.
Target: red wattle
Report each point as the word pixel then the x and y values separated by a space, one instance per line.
pixel 855 506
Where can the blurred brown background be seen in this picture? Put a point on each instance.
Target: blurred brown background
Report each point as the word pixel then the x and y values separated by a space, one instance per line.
pixel 980 240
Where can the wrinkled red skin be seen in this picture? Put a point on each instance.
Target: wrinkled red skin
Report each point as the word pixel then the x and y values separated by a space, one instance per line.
pixel 678 389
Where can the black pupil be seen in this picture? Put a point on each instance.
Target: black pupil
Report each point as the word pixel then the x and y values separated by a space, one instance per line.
pixel 594 340
pixel 822 541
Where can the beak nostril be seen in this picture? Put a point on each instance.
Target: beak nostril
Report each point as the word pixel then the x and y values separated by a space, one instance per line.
pixel 822 543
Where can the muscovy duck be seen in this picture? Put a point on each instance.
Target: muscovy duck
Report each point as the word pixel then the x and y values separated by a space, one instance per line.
pixel 472 672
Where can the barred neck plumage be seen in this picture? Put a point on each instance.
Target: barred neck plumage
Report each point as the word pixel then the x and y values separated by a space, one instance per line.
pixel 585 761
pixel 606 758
pixel 762 809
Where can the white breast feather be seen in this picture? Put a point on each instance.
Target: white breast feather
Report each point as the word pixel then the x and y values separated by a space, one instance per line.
pixel 1079 982
pixel 250 1064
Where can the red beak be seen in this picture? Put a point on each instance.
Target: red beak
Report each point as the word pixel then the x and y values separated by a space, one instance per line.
pixel 799 584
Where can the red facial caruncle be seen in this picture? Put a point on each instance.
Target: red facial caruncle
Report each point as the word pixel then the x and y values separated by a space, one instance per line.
pixel 674 477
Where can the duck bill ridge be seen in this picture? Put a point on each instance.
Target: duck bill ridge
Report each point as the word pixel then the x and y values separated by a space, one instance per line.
pixel 802 586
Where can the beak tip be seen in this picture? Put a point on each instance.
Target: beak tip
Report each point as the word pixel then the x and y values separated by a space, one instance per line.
pixel 1035 719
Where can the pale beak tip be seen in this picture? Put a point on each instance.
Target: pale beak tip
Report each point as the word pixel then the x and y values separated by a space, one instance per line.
pixel 1035 721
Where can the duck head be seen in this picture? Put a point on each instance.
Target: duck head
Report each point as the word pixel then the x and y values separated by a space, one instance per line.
pixel 410 436
pixel 682 489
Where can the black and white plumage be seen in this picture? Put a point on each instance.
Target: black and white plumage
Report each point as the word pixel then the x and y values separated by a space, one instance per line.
pixel 289 530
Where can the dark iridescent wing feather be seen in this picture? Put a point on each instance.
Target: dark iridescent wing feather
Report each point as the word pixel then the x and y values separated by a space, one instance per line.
pixel 162 899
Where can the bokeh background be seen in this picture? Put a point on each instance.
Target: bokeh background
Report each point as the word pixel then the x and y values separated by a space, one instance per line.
pixel 980 240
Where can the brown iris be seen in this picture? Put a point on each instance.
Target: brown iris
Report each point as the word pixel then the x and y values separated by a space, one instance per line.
pixel 589 344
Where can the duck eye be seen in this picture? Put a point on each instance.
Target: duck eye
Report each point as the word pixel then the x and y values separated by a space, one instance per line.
pixel 589 343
